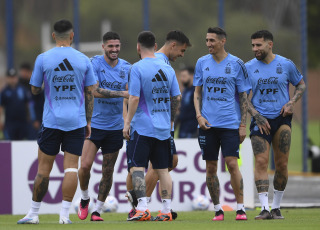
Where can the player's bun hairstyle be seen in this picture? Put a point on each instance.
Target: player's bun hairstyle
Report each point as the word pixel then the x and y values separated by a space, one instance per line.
pixel 218 31
pixel 265 34
pixel 178 36
pixel 62 26
pixel 147 39
pixel 110 36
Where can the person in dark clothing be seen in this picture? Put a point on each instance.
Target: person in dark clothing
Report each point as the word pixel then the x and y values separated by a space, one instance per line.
pixel 187 117
pixel 14 102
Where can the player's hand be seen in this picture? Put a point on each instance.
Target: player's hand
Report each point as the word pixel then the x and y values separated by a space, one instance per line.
pixel 126 132
pixel 263 124
pixel 242 133
pixel 125 94
pixel 203 123
pixel 287 109
pixel 88 130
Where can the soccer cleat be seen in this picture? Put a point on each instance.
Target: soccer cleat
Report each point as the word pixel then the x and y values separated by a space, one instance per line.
pixel 174 215
pixel 140 216
pixel 29 220
pixel 276 214
pixel 132 198
pixel 219 216
pixel 131 213
pixel 83 209
pixel 64 220
pixel 241 215
pixel 264 215
pixel 162 217
pixel 95 216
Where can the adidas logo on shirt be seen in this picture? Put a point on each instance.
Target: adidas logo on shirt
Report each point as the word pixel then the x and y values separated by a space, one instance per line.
pixel 157 77
pixel 256 71
pixel 64 66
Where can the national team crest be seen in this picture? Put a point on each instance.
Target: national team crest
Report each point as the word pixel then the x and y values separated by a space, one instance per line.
pixel 122 74
pixel 279 69
pixel 228 69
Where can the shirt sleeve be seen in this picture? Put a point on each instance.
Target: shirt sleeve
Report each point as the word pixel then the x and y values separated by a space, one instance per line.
pixel 294 75
pixel 37 74
pixel 95 68
pixel 90 76
pixel 197 79
pixel 174 91
pixel 242 80
pixel 134 82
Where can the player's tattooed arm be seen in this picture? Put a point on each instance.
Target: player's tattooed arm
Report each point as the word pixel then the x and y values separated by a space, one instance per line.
pixel 197 100
pixel 106 93
pixel 35 90
pixel 287 109
pixel 89 102
pixel 175 102
pixel 260 120
pixel 243 110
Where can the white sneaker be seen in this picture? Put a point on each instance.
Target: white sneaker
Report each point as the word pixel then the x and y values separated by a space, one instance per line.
pixel 29 220
pixel 64 220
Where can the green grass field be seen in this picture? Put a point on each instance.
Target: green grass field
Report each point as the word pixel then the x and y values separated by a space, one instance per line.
pixel 294 219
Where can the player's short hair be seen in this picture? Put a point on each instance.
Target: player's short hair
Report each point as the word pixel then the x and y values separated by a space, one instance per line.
pixel 26 66
pixel 265 34
pixel 178 36
pixel 110 36
pixel 146 39
pixel 189 69
pixel 218 31
pixel 62 26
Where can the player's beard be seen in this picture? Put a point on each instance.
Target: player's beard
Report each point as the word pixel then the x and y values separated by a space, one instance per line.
pixel 262 56
pixel 109 56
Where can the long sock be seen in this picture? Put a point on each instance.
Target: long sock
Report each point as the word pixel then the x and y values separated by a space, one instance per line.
pixel 34 210
pixel 99 205
pixel 277 197
pixel 166 206
pixel 240 207
pixel 65 209
pixel 142 204
pixel 263 197
pixel 217 207
pixel 85 194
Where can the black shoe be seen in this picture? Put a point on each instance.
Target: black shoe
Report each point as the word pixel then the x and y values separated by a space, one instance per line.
pixel 132 198
pixel 174 215
pixel 276 214
pixel 264 215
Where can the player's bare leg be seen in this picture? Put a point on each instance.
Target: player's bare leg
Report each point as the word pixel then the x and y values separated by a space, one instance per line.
pixel 89 152
pixel 281 146
pixel 109 160
pixel 261 149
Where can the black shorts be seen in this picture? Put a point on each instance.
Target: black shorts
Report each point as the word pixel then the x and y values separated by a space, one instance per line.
pixel 274 124
pixel 141 149
pixel 109 141
pixel 50 140
pixel 212 139
pixel 172 144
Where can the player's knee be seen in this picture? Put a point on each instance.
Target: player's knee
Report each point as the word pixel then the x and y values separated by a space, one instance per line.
pixel 261 163
pixel 86 166
pixel 281 166
pixel 211 169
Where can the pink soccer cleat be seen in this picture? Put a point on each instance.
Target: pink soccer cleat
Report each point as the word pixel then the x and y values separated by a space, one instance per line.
pixel 83 209
pixel 219 216
pixel 241 215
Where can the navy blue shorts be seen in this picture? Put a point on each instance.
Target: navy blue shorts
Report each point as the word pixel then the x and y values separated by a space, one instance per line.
pixel 109 141
pixel 50 140
pixel 141 149
pixel 172 144
pixel 274 124
pixel 212 139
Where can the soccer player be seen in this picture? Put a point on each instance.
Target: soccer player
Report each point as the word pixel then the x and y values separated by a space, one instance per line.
pixel 271 109
pixel 153 101
pixel 68 85
pixel 220 101
pixel 175 46
pixel 106 124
